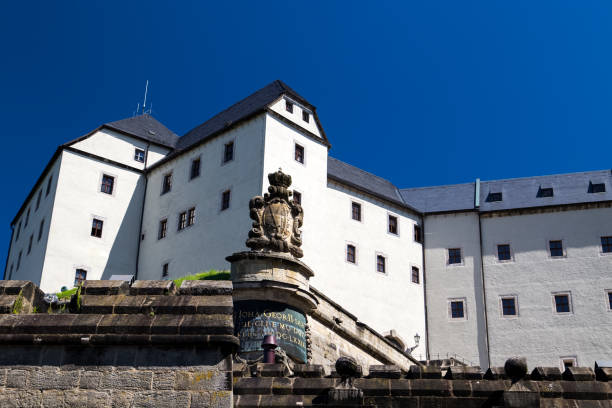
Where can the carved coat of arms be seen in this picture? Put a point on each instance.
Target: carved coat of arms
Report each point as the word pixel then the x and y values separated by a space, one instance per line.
pixel 276 218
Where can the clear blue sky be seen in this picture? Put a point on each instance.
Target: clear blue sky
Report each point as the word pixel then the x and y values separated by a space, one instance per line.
pixel 419 92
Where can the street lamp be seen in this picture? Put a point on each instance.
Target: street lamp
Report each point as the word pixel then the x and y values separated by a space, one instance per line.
pixel 417 339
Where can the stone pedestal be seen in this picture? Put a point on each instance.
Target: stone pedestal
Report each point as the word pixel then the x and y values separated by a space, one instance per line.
pixel 271 296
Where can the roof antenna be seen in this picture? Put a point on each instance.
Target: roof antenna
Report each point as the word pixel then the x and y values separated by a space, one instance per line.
pixel 137 109
pixel 144 104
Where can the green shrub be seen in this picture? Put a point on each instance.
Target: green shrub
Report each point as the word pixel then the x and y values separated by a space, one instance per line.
pixel 66 294
pixel 208 275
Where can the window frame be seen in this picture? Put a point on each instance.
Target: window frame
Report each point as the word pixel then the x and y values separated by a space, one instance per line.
pixel 38 200
pixel 602 246
pixel 418 276
pixel 298 194
pixel 194 160
pixel 94 228
pixel 495 197
pixel 501 306
pixel 19 260
pixel 76 278
pixel 543 192
pixel 112 184
pixel 346 253
pixel 305 116
pixel 40 229
pixel 182 221
pixel 162 229
pixel 397 224
pixel 448 257
pixel 417 236
pixel 166 176
pixel 224 155
pixel 563 250
pixel 165 269
pixel 229 200
pixel 360 206
pixel 49 182
pixel 569 303
pixel 385 258
pixel 190 216
pixel 27 218
pixel 596 186
pixel 299 148
pixel 30 241
pixel 563 359
pixel 450 302
pixel 137 150
pixel 510 252
pixel 289 106
pixel 608 299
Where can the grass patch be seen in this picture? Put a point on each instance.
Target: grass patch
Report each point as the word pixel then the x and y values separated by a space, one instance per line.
pixel 66 294
pixel 208 275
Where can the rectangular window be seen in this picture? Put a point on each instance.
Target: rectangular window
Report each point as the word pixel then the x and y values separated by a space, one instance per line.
pixel 305 116
pixel 38 199
pixel 503 252
pixel 393 228
pixel 19 259
pixel 562 303
pixel 96 228
pixel 139 155
pixel 108 183
pixel 167 183
pixel 567 362
pixel 27 218
pixel 418 233
pixel 79 277
pixel 289 106
pixel 225 200
pixel 299 153
pixel 165 270
pixel 191 216
pixel 381 264
pixel 195 169
pixel 40 229
pixel 297 197
pixel 556 248
pixel 182 221
pixel 606 244
pixel 18 232
pixel 49 185
pixel 545 192
pixel 454 255
pixel 508 306
pixel 597 188
pixel 494 197
pixel 350 253
pixel 163 229
pixel 415 275
pixel 30 244
pixel 609 295
pixel 356 211
pixel 228 152
pixel 457 309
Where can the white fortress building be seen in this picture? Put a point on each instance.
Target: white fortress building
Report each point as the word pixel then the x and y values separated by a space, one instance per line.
pixel 484 270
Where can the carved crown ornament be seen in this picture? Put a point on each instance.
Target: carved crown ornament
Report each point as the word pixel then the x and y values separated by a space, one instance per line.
pixel 276 218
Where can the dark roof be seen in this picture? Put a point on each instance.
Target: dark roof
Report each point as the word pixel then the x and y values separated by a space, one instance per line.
pixel 249 106
pixel 441 198
pixel 362 180
pixel 146 127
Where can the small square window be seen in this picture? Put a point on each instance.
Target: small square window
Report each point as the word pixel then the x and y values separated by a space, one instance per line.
pixel 356 211
pixel 351 252
pixel 299 153
pixel 418 233
pixel 108 182
pixel 30 244
pixel 606 244
pixel 381 264
pixel 545 192
pixel 96 228
pixel 567 362
pixel 49 185
pixel 454 256
pixel 182 220
pixel 508 306
pixel 38 199
pixel 40 229
pixel 191 216
pixel 225 200
pixel 289 106
pixel 167 183
pixel 19 259
pixel 503 252
pixel 597 188
pixel 393 226
pixel 457 309
pixel 556 248
pixel 562 303
pixel 609 295
pixel 27 219
pixel 228 152
pixel 297 197
pixel 139 155
pixel 80 276
pixel 494 197
pixel 305 116
pixel 165 270
pixel 195 169
pixel 163 229
pixel 415 275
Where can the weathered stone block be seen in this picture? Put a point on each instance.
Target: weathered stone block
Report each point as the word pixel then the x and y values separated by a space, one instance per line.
pixel 400 387
pixel 207 324
pixel 105 287
pixel 53 399
pixel 495 373
pixel 247 401
pixel 121 398
pixel 131 305
pixel 214 399
pixel 99 304
pixel 253 385
pixel 428 387
pixel 546 374
pixel 17 378
pixel 90 379
pixel 152 287
pixel 373 386
pixel 585 390
pixel 215 305
pixel 7 322
pixel 550 389
pixel 126 324
pixel 385 371
pixel 489 388
pixel 603 373
pixel 205 288
pixel 7 303
pixel 164 380
pixel 20 399
pixel 285 400
pixel 48 378
pixel 463 373
pixel 166 324
pixel 424 372
pixel 3 377
pixel 41 323
pixel 127 380
pixel 270 370
pixel 579 374
pixel 309 370
pixel 161 399
pixel 207 380
pixel 461 388
pixel 282 386
pixel 85 323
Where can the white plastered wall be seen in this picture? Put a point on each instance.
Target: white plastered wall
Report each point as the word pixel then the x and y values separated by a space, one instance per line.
pixel 215 234
pixel 279 107
pixel 539 333
pixel 464 337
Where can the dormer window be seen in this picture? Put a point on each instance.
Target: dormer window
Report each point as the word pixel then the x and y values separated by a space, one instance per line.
pixel 305 116
pixel 139 155
pixel 494 197
pixel 289 106
pixel 545 192
pixel 597 187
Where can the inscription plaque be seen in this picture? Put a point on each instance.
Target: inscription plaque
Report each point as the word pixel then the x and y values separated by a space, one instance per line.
pixel 255 318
